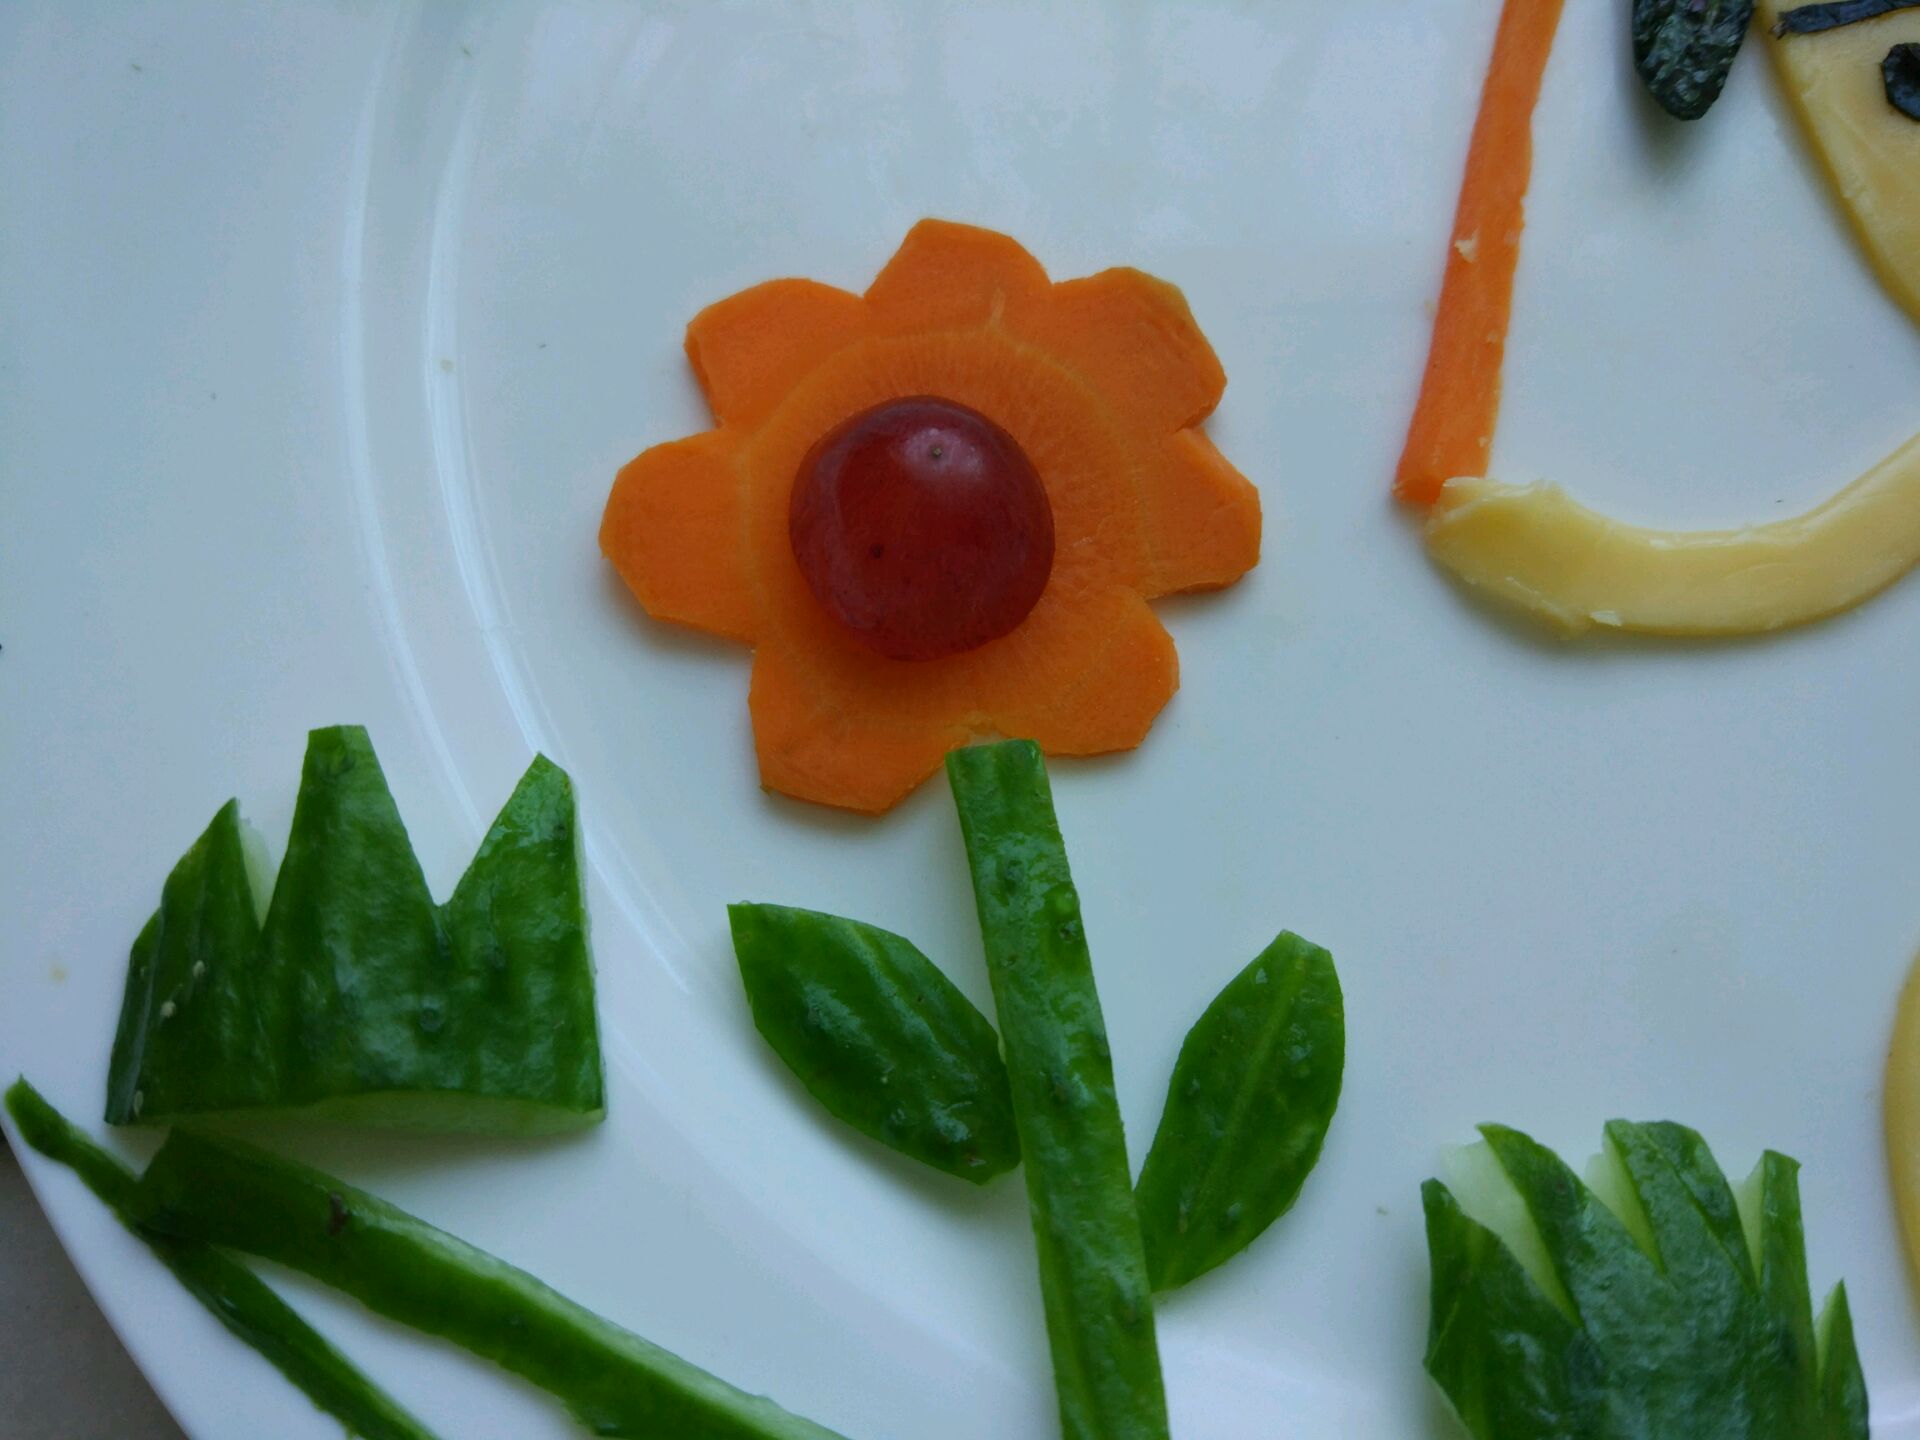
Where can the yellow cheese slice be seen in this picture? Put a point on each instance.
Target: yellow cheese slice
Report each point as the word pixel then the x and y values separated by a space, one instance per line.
pixel 1902 1115
pixel 1535 547
pixel 1871 151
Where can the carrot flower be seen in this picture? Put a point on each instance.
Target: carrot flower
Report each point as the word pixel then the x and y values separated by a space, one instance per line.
pixel 1102 382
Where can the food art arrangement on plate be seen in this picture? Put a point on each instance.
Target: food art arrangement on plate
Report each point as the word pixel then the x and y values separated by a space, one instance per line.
pixel 938 513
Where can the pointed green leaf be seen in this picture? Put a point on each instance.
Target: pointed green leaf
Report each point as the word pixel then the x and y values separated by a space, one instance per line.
pixel 879 1036
pixel 1247 1110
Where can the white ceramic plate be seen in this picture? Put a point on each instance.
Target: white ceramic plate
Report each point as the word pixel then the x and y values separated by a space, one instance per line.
pixel 323 329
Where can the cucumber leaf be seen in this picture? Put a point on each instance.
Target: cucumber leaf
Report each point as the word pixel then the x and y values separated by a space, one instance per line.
pixel 1678 1315
pixel 1247 1110
pixel 879 1036
pixel 359 999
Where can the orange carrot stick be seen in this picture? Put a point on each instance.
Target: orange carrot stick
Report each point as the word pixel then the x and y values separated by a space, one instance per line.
pixel 1452 427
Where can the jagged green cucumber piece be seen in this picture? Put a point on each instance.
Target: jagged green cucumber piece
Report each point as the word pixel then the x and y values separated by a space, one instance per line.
pixel 358 999
pixel 1678 1313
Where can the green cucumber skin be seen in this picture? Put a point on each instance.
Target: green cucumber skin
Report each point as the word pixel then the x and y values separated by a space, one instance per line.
pixel 1488 1326
pixel 235 1195
pixel 359 999
pixel 1093 1277
pixel 879 1036
pixel 1700 1342
pixel 1684 50
pixel 517 925
pixel 1248 1108
pixel 238 1298
pixel 186 1019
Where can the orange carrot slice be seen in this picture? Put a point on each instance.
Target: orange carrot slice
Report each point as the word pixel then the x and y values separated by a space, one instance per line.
pixel 1452 428
pixel 1100 381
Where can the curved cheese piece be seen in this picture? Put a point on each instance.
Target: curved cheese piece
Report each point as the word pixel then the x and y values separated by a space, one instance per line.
pixel 1870 151
pixel 1901 1114
pixel 1534 547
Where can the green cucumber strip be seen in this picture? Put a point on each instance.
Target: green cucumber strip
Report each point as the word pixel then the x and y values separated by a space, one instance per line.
pixel 238 1298
pixel 358 999
pixel 1093 1277
pixel 1678 1317
pixel 226 1193
pixel 1247 1110
pixel 1684 50
pixel 879 1036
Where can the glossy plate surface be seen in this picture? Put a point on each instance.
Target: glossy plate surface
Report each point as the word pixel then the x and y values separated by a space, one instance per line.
pixel 325 329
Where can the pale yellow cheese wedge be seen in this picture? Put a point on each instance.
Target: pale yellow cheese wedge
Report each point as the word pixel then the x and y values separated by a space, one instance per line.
pixel 1902 1114
pixel 1870 150
pixel 1535 547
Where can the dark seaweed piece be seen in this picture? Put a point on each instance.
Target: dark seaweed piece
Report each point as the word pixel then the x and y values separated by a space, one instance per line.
pixel 1812 19
pixel 1901 70
pixel 1683 50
